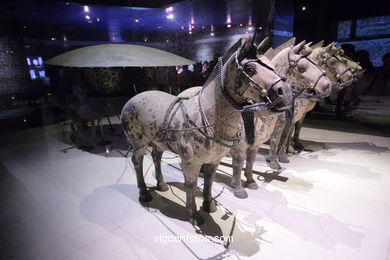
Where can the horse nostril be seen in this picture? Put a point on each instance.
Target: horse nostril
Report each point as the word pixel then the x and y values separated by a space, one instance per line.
pixel 280 91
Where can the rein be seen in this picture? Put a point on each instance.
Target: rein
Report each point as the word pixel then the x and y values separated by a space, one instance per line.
pixel 302 93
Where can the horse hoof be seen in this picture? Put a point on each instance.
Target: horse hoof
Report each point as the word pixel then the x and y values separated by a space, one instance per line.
pixel 284 159
pixel 274 165
pixel 299 146
pixel 197 220
pixel 291 149
pixel 145 197
pixel 162 186
pixel 209 206
pixel 252 185
pixel 241 194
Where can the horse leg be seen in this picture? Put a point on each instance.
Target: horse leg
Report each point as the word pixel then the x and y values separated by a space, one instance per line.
pixel 137 159
pixel 156 155
pixel 238 163
pixel 209 174
pixel 191 172
pixel 274 142
pixel 250 159
pixel 284 144
pixel 298 126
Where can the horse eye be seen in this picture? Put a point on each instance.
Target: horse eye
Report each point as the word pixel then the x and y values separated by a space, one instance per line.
pixel 301 69
pixel 250 70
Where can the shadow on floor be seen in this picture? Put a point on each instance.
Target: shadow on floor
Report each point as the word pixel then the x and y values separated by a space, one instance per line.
pixel 170 204
pixel 113 142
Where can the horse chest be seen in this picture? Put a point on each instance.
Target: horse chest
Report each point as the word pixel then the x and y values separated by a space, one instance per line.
pixel 300 108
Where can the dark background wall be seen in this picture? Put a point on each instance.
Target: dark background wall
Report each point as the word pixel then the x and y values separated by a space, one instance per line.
pixel 13 69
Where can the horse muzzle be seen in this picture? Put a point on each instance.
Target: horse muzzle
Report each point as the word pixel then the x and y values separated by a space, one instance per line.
pixel 283 93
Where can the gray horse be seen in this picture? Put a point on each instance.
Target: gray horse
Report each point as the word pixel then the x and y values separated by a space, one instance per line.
pixel 340 70
pixel 344 71
pixel 292 62
pixel 183 125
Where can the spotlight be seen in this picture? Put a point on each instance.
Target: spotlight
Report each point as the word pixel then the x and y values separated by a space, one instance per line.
pixel 229 25
pixel 212 34
pixel 98 19
pixel 303 8
pixel 250 28
pixel 53 38
pixel 170 16
pixel 169 9
pixel 86 9
pixel 87 17
pixel 136 20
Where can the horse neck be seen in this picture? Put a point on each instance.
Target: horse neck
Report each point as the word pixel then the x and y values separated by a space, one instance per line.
pixel 216 106
pixel 281 62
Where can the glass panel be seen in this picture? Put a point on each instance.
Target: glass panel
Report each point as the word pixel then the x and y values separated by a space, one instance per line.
pixel 373 26
pixel 376 47
pixel 344 30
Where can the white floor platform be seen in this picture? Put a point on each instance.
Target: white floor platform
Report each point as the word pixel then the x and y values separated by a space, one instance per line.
pixel 335 204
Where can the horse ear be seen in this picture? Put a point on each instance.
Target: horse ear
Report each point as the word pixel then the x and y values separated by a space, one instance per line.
pixel 317 45
pixel 269 53
pixel 263 46
pixel 306 50
pixel 299 47
pixel 247 48
pixel 329 47
pixel 288 43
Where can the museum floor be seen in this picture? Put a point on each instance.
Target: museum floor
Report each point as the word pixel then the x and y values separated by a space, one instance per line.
pixel 333 203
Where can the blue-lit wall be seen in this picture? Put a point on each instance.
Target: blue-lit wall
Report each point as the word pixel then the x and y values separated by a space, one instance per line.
pixel 283 22
pixel 367 29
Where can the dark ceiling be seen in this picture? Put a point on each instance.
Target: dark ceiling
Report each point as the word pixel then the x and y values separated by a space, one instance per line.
pixel 134 3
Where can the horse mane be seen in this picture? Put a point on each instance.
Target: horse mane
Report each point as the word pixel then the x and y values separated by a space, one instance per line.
pixel 271 53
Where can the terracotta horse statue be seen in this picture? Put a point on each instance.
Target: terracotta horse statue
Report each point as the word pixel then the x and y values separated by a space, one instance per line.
pixel 293 63
pixel 343 72
pixel 340 70
pixel 202 128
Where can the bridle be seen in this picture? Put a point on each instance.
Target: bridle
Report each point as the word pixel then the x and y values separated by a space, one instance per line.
pixel 311 84
pixel 246 105
pixel 340 83
pixel 264 92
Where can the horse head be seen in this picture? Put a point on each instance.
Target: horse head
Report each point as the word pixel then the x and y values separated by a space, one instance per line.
pixel 341 70
pixel 248 77
pixel 292 61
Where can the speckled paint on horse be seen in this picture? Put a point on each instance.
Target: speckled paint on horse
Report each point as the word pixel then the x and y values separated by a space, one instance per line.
pixel 240 77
